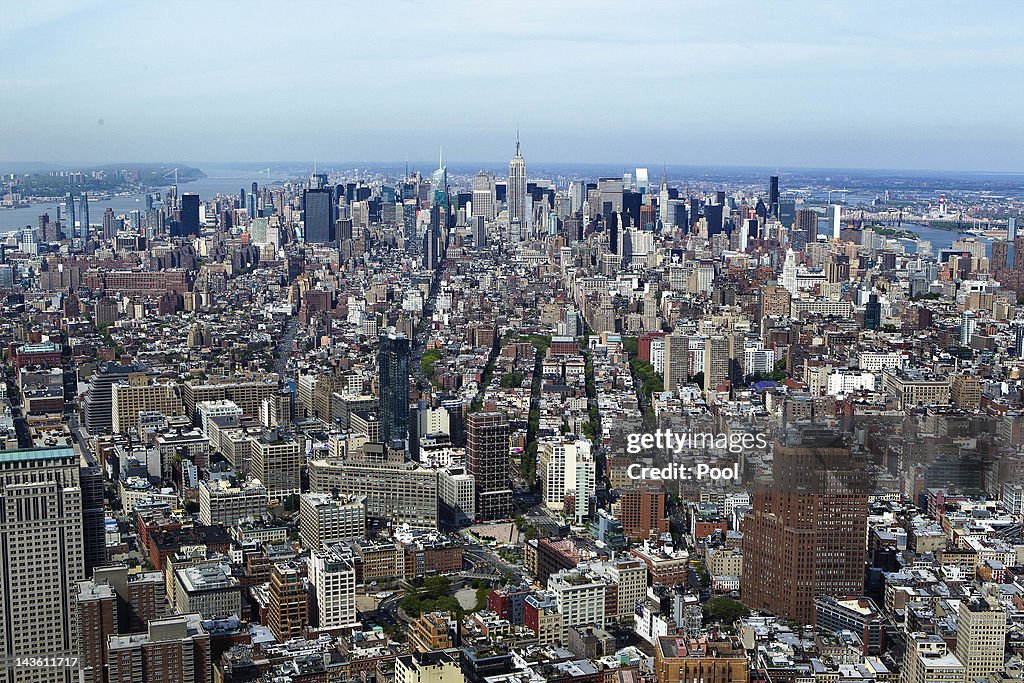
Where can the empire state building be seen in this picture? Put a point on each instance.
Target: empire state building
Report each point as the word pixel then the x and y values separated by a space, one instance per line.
pixel 517 211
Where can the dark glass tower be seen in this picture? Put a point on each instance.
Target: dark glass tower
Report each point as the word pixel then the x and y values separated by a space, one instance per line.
pixel 773 196
pixel 189 214
pixel 318 215
pixel 393 402
pixel 872 313
pixel 83 216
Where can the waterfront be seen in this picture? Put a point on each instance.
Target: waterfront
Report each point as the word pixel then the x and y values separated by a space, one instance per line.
pixel 224 183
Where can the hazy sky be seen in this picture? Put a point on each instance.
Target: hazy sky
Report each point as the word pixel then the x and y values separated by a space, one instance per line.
pixel 893 84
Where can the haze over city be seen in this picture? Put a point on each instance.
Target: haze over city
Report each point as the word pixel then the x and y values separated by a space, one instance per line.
pixel 907 85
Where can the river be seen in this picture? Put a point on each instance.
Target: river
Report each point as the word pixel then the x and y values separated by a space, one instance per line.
pixel 223 182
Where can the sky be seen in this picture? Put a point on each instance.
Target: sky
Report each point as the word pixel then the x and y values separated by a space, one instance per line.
pixel 858 84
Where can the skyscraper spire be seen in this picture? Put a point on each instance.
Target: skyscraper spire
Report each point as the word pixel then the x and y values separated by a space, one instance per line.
pixel 517 139
pixel 440 156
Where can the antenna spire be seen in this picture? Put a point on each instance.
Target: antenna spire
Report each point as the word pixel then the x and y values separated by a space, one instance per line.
pixel 517 139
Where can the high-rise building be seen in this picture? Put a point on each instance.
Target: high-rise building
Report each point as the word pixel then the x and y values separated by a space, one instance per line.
pixel 42 557
pixel 288 612
pixel 718 361
pixel 428 667
pixel 69 215
pixel 325 519
pixel 189 215
pixel 773 196
pixel 872 313
pixel 807 224
pixel 517 214
pixel 981 634
pixel 173 649
pixel 1000 256
pixel 1011 228
pixel 83 216
pixel 393 401
pixel 566 468
pixel 642 513
pixel 677 350
pixel 334 588
pixel 836 214
pixel 483 196
pixel 805 534
pixel 318 215
pixel 928 660
pixel 487 435
pixel 277 463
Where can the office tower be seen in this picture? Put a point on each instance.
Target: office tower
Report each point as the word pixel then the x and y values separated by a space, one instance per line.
pixel 277 462
pixel 928 660
pixel 664 210
pixel 483 196
pixel 968 326
pixel 393 401
pixel 173 649
pixel 288 612
pixel 677 349
pixel 221 502
pixel 872 313
pixel 69 215
pixel 99 417
pixel 42 557
pixel 94 541
pixel 318 215
pixel 517 214
pixel 836 213
pixel 109 225
pixel 326 519
pixel 981 634
pixel 773 196
pixel 718 361
pixel 189 221
pixel 642 513
pixel 1000 256
pixel 611 226
pixel 334 588
pixel 432 247
pixel 1011 228
pixel 487 435
pixel 806 223
pixel 479 233
pixel 566 470
pixel 577 195
pixel 805 534
pixel 1018 338
pixel 83 216
pixel 787 212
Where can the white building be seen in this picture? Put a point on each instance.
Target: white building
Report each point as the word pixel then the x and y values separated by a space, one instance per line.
pixel 334 588
pixel 325 519
pixel 567 469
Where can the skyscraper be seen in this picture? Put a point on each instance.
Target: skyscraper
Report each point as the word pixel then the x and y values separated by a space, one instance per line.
pixel 981 634
pixel 773 196
pixel 805 534
pixel 483 196
pixel 318 215
pixel 83 216
pixel 42 557
pixel 872 313
pixel 806 223
pixel 487 435
pixel 189 214
pixel 517 189
pixel 836 214
pixel 393 402
pixel 69 215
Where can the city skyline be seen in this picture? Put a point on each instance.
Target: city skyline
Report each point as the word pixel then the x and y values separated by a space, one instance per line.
pixel 808 86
